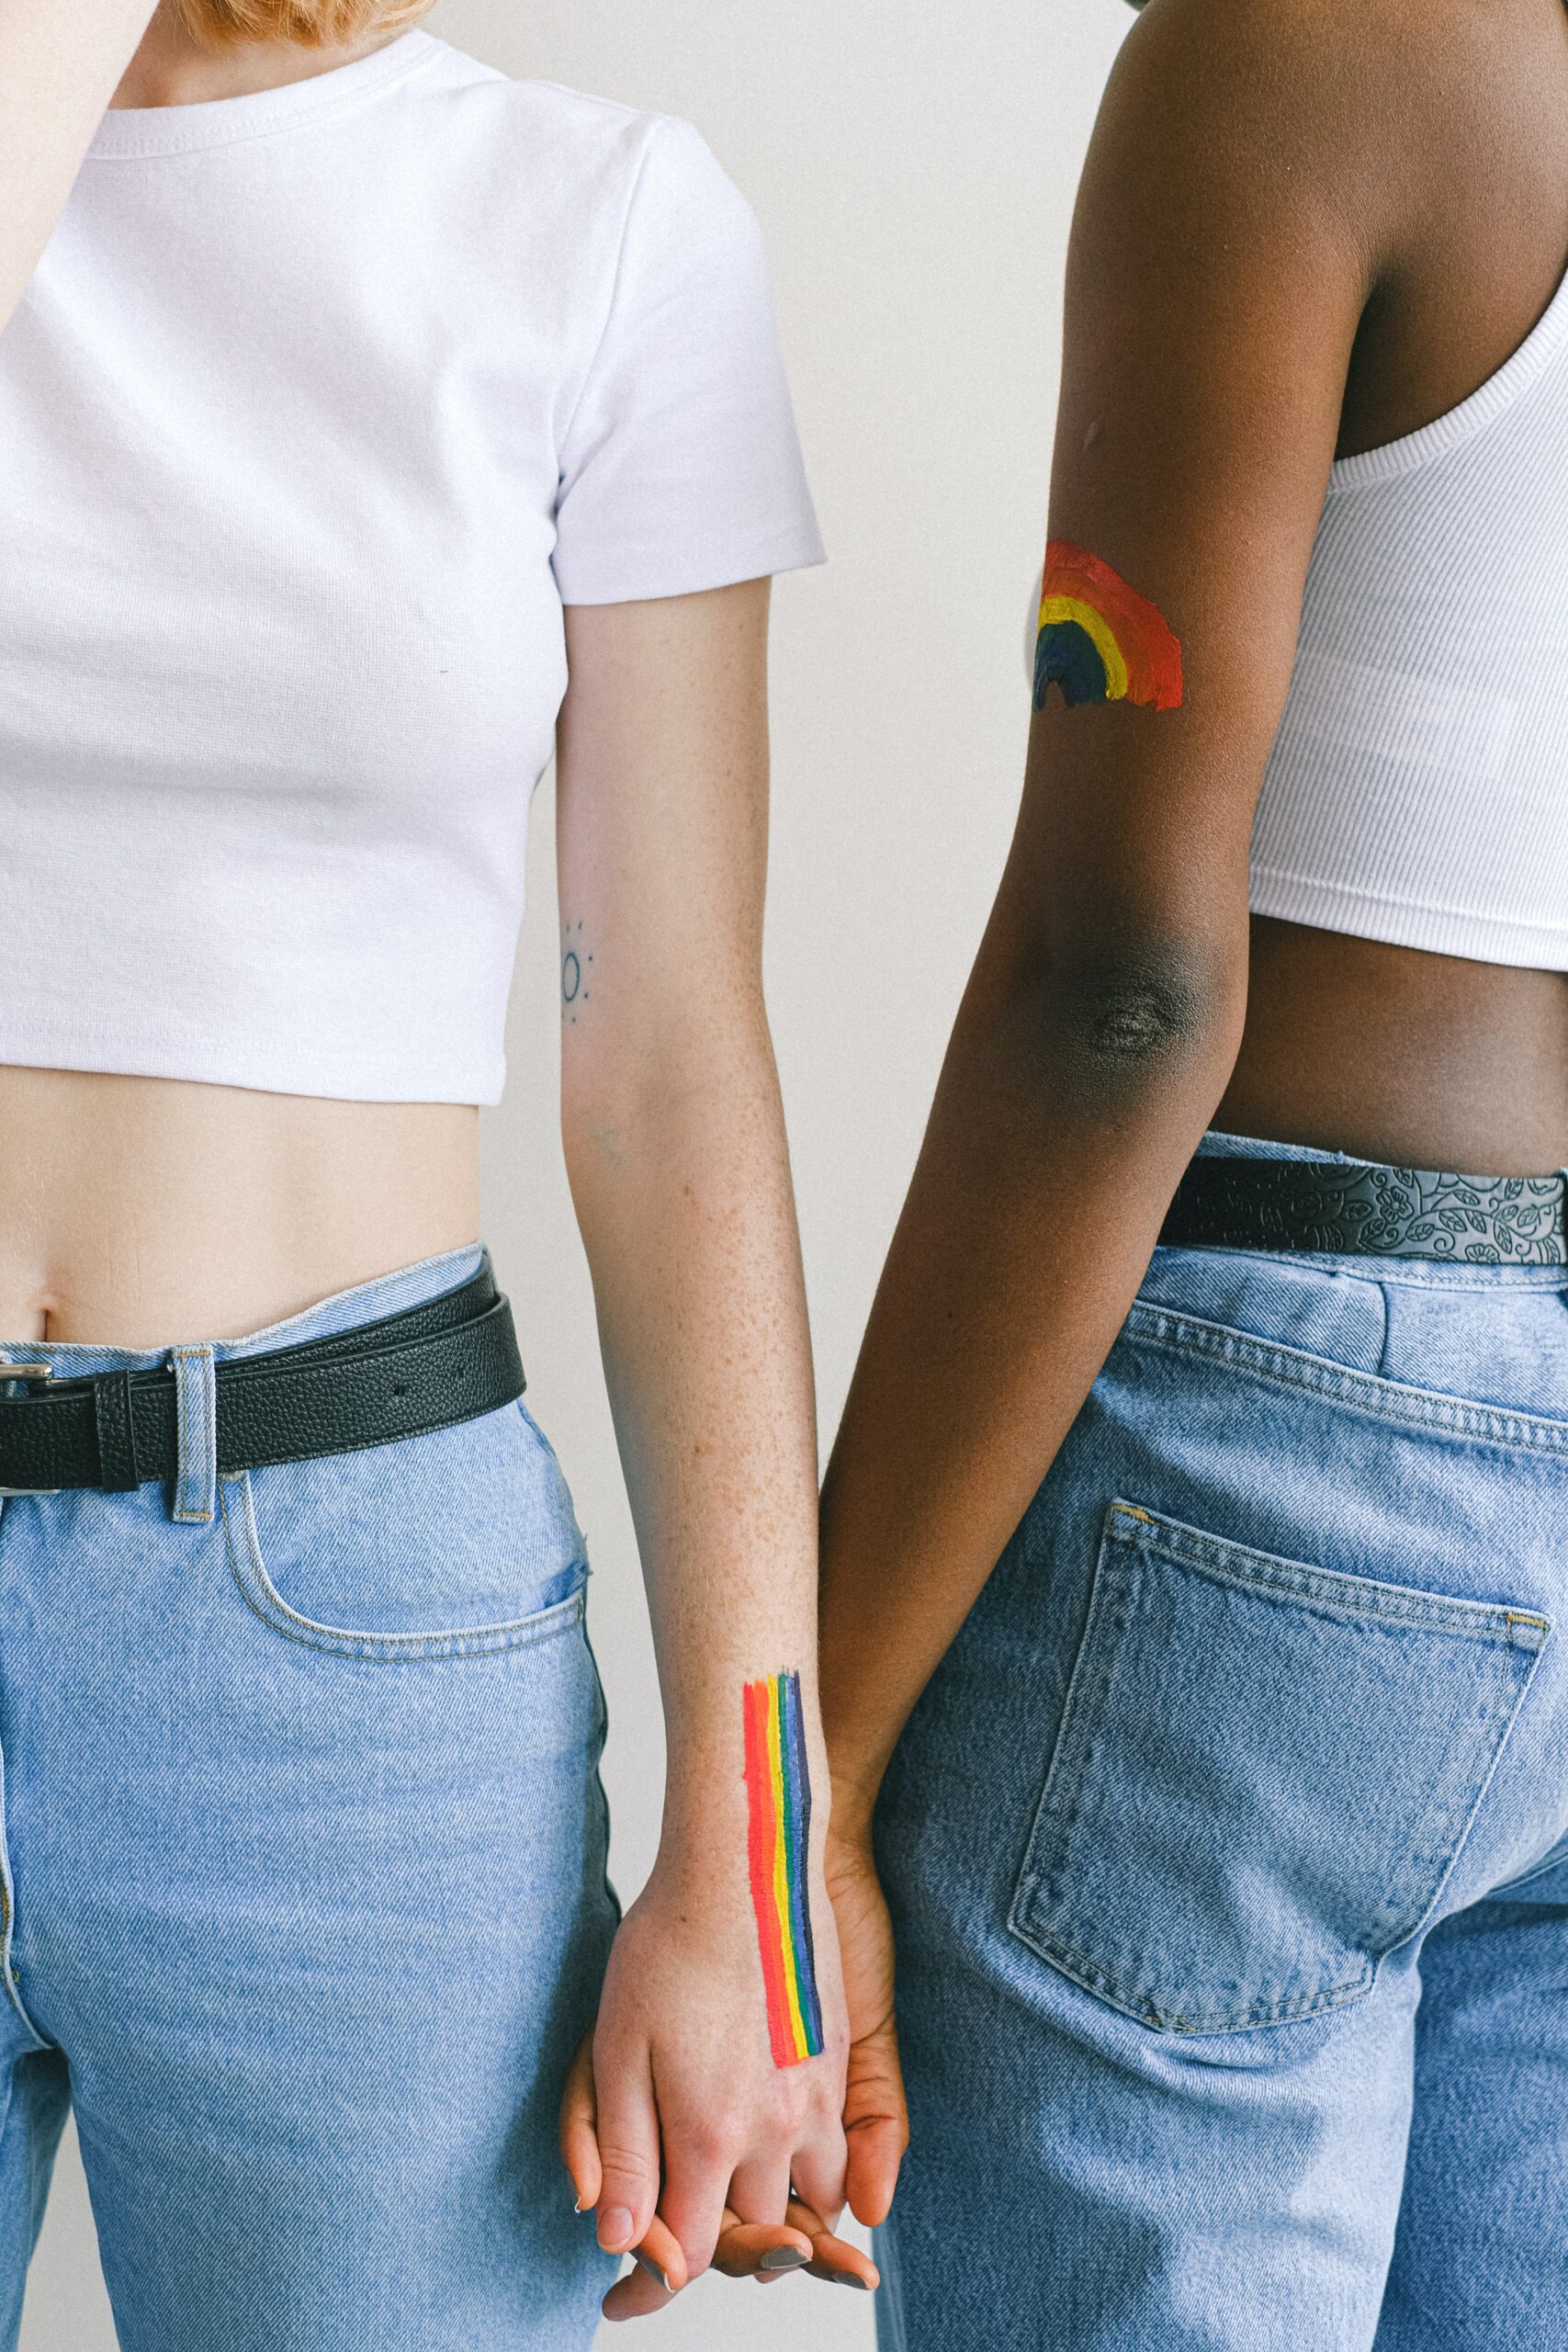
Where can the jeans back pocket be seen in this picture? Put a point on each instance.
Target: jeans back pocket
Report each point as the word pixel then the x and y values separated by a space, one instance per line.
pixel 1263 1776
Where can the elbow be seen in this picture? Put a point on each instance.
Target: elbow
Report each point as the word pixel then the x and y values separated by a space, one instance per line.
pixel 1131 1017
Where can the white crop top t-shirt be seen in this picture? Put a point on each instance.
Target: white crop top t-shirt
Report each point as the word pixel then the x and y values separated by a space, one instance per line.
pixel 1418 790
pixel 320 405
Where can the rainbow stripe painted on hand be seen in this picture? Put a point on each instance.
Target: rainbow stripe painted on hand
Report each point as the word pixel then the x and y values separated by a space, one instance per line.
pixel 1100 640
pixel 778 1791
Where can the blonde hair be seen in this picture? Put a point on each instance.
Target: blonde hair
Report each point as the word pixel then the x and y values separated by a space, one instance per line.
pixel 311 24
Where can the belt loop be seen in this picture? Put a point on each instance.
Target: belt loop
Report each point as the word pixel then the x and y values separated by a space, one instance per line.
pixel 195 1403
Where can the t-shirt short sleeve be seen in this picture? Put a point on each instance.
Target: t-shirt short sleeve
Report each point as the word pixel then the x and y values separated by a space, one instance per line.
pixel 680 468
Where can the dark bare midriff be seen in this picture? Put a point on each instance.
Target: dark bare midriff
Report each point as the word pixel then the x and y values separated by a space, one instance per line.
pixel 1392 1054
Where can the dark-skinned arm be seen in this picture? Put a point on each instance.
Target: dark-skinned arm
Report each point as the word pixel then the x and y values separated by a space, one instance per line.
pixel 1218 269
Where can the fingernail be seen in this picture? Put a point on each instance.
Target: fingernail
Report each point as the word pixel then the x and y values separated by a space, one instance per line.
pixel 648 2264
pixel 852 2278
pixel 783 2257
pixel 615 2229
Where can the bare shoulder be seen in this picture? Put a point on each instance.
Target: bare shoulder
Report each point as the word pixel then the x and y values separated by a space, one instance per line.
pixel 1342 114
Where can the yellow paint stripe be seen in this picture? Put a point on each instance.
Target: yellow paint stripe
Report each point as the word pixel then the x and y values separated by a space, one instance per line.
pixel 781 1871
pixel 1094 623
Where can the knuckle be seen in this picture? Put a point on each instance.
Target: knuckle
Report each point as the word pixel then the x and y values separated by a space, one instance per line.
pixel 707 2139
pixel 623 2163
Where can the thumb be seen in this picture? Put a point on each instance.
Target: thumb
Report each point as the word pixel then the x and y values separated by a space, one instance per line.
pixel 876 2123
pixel 628 2147
pixel 579 2119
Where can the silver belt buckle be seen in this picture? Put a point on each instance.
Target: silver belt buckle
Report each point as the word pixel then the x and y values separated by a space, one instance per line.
pixel 9 1372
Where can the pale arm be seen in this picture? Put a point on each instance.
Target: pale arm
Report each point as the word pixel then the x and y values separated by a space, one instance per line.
pixel 679 1170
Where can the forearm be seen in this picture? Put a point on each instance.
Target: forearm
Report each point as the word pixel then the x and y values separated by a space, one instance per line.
pixel 684 1195
pixel 1035 1205
pixel 58 68
pixel 717 2057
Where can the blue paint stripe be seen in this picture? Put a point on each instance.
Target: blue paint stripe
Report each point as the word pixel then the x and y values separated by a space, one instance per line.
pixel 799 1780
pixel 790 1797
pixel 1067 656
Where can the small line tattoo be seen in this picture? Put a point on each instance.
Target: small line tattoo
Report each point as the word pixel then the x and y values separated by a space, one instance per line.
pixel 576 971
pixel 778 1791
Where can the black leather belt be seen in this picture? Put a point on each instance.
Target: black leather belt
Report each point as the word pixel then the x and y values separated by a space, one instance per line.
pixel 445 1361
pixel 1356 1208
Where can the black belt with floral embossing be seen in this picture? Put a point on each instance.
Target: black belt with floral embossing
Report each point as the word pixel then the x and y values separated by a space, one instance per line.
pixel 1360 1209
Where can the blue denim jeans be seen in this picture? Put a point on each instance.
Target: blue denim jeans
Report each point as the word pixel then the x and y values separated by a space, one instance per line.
pixel 305 1904
pixel 1228 1849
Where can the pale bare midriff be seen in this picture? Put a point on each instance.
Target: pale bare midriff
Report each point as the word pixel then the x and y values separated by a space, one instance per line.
pixel 142 1212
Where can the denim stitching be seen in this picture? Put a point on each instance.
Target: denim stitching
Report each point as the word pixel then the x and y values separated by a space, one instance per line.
pixel 1057 1798
pixel 1141 2004
pixel 1056 1809
pixel 201 1518
pixel 1364 1392
pixel 8 1970
pixel 1143 2007
pixel 1430 1613
pixel 267 1603
pixel 1504 1890
pixel 1327 1590
pixel 1087 1690
pixel 1433 1611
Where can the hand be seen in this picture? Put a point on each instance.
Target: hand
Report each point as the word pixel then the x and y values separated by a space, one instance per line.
pixel 876 2114
pixel 766 2252
pixel 681 2106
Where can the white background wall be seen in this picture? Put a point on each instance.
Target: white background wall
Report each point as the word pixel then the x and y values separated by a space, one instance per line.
pixel 913 165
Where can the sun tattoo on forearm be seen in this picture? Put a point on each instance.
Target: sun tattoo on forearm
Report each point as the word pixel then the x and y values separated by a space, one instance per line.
pixel 576 971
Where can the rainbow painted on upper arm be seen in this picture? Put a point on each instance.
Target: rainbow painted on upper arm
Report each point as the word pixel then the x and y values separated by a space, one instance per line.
pixel 1100 640
pixel 778 1791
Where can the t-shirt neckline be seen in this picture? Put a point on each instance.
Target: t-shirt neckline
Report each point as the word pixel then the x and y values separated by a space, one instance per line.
pixel 135 131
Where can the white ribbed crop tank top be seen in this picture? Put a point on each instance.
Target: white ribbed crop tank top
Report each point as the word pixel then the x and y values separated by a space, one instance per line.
pixel 1418 790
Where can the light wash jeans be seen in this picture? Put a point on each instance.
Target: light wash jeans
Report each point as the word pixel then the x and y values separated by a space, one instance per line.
pixel 1228 1849
pixel 305 1904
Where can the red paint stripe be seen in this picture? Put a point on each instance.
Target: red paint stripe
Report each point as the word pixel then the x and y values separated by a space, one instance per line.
pixel 1150 646
pixel 761 1843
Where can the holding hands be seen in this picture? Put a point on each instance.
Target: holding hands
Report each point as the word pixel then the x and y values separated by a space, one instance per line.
pixel 741 2084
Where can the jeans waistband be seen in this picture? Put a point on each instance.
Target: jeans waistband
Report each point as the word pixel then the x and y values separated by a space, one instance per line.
pixel 194 1363
pixel 1216 1142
